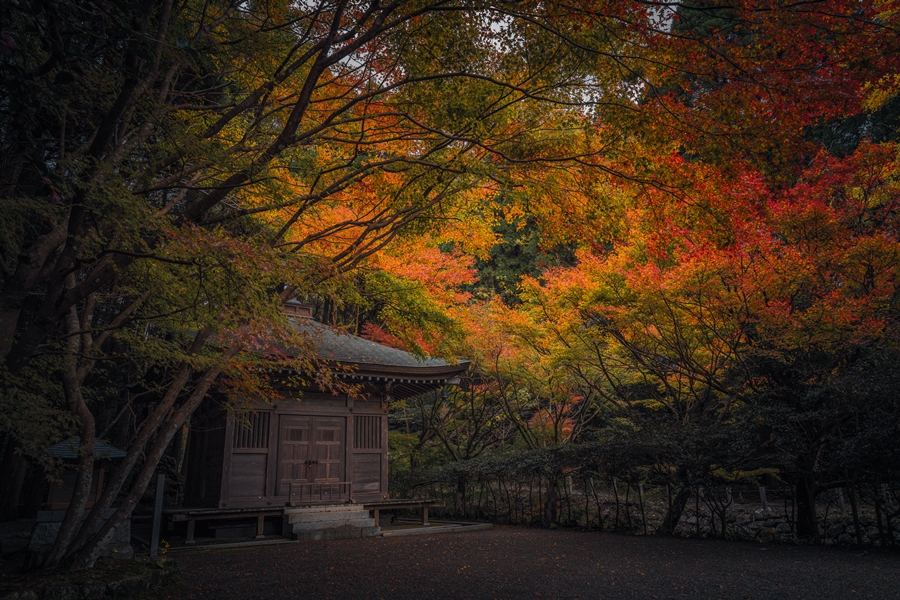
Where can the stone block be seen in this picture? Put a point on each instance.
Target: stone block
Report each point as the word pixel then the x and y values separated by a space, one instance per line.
pixel 325 525
pixel 369 531
pixel 47 526
pixel 324 517
pixel 329 534
pixel 21 595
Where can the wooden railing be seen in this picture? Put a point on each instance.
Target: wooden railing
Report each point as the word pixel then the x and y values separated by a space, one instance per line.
pixel 302 492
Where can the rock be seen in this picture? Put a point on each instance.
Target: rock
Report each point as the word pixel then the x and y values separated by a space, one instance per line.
pixel 845 538
pixel 873 532
pixel 126 584
pixel 62 592
pixel 784 528
pixel 834 531
pixel 47 527
pixel 93 590
pixel 21 595
pixel 773 522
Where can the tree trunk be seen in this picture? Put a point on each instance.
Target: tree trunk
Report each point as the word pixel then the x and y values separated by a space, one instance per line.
pixel 136 449
pixel 676 509
pixel 598 503
pixel 85 470
pixel 807 523
pixel 87 553
pixel 854 508
pixel 550 504
pixel 459 499
pixel 12 478
pixel 616 493
pixel 641 500
pixel 413 470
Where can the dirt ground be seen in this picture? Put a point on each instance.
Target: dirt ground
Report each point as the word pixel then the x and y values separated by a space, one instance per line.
pixel 511 562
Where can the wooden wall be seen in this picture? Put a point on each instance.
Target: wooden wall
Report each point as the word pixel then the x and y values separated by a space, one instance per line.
pixel 320 438
pixel 205 456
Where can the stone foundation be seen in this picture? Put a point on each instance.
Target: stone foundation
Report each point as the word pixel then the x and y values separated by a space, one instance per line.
pixel 328 523
pixel 46 528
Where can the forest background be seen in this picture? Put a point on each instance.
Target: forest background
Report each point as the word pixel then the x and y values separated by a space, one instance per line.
pixel 666 234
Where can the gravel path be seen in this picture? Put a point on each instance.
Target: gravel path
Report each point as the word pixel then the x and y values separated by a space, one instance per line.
pixel 534 563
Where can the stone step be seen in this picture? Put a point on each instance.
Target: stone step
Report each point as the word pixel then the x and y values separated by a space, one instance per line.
pixel 342 533
pixel 437 529
pixel 322 525
pixel 326 508
pixel 322 517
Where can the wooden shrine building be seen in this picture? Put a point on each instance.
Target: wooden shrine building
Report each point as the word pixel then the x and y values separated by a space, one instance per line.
pixel 316 449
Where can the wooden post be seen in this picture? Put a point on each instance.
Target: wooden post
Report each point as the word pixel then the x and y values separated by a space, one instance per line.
pixel 425 515
pixel 157 514
pixel 189 536
pixel 377 516
pixel 762 497
pixel 261 526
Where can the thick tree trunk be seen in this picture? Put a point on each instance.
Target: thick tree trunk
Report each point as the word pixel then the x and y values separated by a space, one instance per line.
pixel 854 508
pixel 88 552
pixel 85 469
pixel 136 449
pixel 676 509
pixel 807 523
pixel 12 478
pixel 413 472
pixel 550 508
pixel 459 499
pixel 29 267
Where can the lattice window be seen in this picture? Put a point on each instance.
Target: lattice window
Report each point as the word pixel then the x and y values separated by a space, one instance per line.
pixel 256 436
pixel 367 433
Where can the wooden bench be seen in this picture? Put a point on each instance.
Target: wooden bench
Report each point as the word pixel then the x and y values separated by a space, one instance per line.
pixel 192 515
pixel 377 507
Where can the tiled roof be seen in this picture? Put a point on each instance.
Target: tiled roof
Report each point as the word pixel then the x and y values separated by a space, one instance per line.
pixel 342 347
pixel 68 449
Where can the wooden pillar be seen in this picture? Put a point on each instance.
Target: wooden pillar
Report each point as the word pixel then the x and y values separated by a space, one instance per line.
pixel 260 526
pixel 425 515
pixel 189 536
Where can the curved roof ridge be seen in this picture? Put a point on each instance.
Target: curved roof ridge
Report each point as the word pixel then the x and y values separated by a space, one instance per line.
pixel 340 346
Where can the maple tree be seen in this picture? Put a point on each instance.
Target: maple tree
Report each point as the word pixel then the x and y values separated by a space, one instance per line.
pixel 740 282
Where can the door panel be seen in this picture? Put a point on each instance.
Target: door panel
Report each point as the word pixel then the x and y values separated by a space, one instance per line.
pixel 311 450
pixel 329 449
pixel 293 451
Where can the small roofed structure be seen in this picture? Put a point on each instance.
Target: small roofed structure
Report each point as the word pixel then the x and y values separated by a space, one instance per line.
pixel 61 491
pixel 50 517
pixel 312 446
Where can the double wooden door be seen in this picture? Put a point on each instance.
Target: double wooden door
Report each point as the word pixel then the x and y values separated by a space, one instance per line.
pixel 310 450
